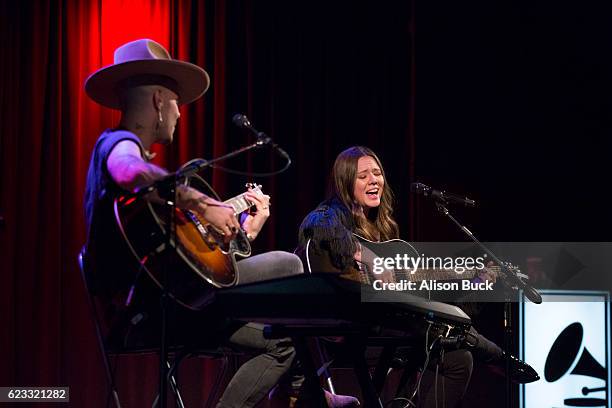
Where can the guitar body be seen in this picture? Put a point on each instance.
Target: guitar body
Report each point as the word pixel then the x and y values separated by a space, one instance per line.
pixel 388 249
pixel 369 250
pixel 321 262
pixel 196 262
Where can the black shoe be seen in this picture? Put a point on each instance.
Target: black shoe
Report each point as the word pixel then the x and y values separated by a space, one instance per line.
pixel 520 371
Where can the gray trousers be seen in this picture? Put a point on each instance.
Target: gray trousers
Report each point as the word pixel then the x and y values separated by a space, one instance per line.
pixel 274 358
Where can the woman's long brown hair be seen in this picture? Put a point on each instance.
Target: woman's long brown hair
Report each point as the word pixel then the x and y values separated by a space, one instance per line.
pixel 379 225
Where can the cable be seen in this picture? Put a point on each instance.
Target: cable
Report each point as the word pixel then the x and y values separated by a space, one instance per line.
pixel 252 174
pixel 443 378
pixel 427 356
pixel 440 361
pixel 398 399
pixel 243 173
pixel 436 385
pixel 443 394
pixel 428 350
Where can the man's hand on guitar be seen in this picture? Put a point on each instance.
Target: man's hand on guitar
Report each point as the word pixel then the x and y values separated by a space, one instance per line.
pixel 220 215
pixel 255 220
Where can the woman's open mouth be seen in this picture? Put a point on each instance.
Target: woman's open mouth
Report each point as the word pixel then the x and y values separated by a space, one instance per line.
pixel 372 193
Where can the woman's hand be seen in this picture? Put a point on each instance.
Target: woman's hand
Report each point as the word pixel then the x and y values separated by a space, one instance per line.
pixel 486 274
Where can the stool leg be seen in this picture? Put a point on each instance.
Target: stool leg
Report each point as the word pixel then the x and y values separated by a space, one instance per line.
pixel 382 368
pixel 173 384
pixel 324 369
pixel 357 347
pixel 177 392
pixel 311 381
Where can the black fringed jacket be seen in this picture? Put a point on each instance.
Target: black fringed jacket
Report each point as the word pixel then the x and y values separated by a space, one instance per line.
pixel 330 229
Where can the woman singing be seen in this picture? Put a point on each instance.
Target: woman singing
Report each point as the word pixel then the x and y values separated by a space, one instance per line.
pixel 361 202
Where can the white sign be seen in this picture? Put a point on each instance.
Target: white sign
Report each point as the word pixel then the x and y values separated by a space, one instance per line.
pixel 566 339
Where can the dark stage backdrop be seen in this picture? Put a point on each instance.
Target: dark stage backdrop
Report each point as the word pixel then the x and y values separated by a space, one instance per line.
pixel 514 106
pixel 506 101
pixel 316 76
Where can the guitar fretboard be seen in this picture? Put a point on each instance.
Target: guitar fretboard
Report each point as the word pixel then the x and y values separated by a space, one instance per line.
pixel 422 274
pixel 239 203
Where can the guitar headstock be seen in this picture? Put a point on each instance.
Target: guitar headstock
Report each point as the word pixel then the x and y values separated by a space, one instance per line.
pixel 517 270
pixel 514 268
pixel 255 188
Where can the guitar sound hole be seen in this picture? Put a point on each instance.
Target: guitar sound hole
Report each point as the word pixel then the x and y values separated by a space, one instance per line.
pixel 211 241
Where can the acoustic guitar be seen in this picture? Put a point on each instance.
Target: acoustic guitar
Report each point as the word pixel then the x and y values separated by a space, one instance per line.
pixel 389 249
pixel 198 260
pixel 369 250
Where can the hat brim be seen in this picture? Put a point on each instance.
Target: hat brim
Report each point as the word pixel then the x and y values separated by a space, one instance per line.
pixel 103 85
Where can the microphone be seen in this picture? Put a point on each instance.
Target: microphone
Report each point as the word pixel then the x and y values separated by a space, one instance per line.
pixel 243 122
pixel 427 191
pixel 531 293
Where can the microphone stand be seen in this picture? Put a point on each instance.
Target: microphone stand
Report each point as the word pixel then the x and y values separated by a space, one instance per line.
pixel 510 279
pixel 193 168
pixel 166 188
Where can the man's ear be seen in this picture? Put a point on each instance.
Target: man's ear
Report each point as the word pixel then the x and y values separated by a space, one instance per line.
pixel 158 101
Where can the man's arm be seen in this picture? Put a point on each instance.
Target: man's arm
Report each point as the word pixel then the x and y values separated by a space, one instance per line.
pixel 130 171
pixel 127 168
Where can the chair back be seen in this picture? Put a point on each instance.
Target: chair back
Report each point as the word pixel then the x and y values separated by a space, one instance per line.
pixel 86 277
pixel 85 273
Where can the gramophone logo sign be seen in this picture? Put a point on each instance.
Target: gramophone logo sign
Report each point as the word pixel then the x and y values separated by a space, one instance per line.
pixel 566 339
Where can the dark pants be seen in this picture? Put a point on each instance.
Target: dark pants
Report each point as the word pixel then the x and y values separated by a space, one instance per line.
pixel 454 369
pixel 454 372
pixel 257 376
pixel 274 358
pixel 139 329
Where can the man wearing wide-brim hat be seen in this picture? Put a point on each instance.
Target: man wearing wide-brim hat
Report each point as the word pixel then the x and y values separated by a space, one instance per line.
pixel 147 86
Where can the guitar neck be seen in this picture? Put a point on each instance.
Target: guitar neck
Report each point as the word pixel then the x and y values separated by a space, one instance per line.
pixel 389 249
pixel 239 203
pixel 430 274
pixel 419 275
pixel 439 274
